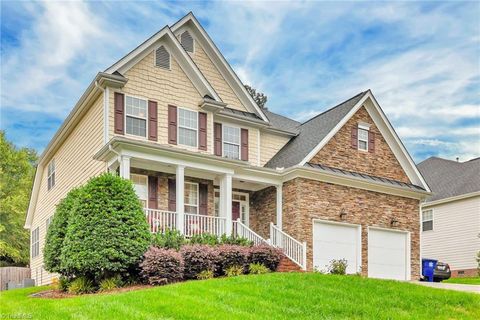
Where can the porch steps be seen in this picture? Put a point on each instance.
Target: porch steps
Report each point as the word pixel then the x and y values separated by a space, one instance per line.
pixel 287 265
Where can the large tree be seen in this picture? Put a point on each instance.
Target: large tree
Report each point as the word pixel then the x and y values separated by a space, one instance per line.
pixel 259 97
pixel 17 167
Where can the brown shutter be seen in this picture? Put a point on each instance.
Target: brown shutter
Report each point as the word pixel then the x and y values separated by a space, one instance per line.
pixel 203 198
pixel 152 192
pixel 172 195
pixel 172 124
pixel 152 120
pixel 371 141
pixel 202 131
pixel 217 133
pixel 244 144
pixel 119 104
pixel 355 137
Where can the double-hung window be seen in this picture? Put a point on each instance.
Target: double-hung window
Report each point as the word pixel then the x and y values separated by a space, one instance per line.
pixel 191 197
pixel 136 116
pixel 51 174
pixel 362 139
pixel 187 127
pixel 231 142
pixel 35 250
pixel 427 220
pixel 140 185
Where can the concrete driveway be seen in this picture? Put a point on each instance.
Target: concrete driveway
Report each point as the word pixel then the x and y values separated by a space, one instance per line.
pixel 451 286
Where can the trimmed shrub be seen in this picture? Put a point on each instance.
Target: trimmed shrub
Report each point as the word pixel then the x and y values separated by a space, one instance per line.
pixel 107 231
pixel 231 255
pixel 234 271
pixel 171 239
pixel 57 230
pixel 81 285
pixel 161 266
pixel 205 275
pixel 110 283
pixel 257 268
pixel 265 255
pixel 205 238
pixel 198 258
pixel 63 284
pixel 235 241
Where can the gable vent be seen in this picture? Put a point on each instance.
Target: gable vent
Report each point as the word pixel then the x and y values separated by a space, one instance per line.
pixel 162 58
pixel 187 41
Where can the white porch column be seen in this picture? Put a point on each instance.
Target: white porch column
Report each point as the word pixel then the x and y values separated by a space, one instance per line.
pixel 226 201
pixel 180 190
pixel 125 167
pixel 279 205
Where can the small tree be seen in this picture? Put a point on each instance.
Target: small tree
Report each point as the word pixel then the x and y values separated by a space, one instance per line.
pixel 57 230
pixel 107 231
pixel 258 97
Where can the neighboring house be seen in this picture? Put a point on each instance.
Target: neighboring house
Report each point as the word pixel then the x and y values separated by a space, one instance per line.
pixel 451 216
pixel 173 117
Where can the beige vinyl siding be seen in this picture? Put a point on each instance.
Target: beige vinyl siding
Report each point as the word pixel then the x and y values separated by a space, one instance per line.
pixel 270 144
pixel 454 238
pixel 74 166
pixel 215 78
pixel 166 87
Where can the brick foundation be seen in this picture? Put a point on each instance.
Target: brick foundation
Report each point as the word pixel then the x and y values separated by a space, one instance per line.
pixel 287 265
pixel 465 273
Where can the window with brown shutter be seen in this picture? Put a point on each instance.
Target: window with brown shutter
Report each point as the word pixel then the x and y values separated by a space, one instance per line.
pixel 217 133
pixel 244 144
pixel 172 124
pixel 119 105
pixel 355 137
pixel 203 198
pixel 371 141
pixel 202 131
pixel 152 120
pixel 152 192
pixel 172 195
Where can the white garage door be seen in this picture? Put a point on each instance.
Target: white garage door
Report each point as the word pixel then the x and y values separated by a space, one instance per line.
pixel 336 241
pixel 388 254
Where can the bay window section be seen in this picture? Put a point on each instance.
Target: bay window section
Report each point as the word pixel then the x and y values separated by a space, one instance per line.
pixel 187 127
pixel 191 197
pixel 231 142
pixel 136 116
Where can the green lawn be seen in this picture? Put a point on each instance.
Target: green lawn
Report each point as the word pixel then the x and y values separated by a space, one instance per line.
pixel 272 296
pixel 474 280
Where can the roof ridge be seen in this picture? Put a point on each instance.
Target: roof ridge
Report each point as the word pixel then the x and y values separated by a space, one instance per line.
pixel 332 108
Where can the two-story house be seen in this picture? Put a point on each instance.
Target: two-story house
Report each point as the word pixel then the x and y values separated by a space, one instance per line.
pixel 173 117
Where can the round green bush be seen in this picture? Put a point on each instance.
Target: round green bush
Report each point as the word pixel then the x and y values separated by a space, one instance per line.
pixel 57 230
pixel 107 231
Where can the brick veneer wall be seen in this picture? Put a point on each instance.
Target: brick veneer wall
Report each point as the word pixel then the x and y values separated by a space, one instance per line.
pixel 305 200
pixel 338 152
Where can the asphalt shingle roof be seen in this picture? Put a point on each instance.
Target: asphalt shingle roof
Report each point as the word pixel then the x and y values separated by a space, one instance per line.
pixel 311 133
pixel 282 123
pixel 448 178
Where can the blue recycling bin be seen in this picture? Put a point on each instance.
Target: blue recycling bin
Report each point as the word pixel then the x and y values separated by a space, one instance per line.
pixel 428 267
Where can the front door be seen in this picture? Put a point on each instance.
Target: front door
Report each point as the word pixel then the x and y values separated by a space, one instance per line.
pixel 235 210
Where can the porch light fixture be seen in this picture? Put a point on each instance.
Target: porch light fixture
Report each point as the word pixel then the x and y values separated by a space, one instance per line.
pixel 343 214
pixel 394 222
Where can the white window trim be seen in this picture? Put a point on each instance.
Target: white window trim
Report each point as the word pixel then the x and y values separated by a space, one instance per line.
pixel 50 174
pixel 246 202
pixel 136 117
pixel 433 220
pixel 362 127
pixel 146 178
pixel 35 244
pixel 197 205
pixel 239 140
pixel 155 58
pixel 178 128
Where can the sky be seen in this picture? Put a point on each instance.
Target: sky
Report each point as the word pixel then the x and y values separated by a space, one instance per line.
pixel 420 59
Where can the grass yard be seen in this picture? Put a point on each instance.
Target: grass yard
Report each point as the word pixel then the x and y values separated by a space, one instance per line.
pixel 473 280
pixel 271 296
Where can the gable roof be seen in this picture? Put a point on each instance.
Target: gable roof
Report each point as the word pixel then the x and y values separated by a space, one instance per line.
pixel 219 61
pixel 311 133
pixel 449 178
pixel 282 123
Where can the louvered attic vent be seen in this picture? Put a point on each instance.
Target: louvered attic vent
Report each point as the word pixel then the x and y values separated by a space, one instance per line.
pixel 187 41
pixel 162 58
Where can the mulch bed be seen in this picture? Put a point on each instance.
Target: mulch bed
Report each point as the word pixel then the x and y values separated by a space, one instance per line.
pixel 56 294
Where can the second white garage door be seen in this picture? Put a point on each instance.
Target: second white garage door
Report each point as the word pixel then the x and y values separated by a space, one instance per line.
pixel 336 241
pixel 388 254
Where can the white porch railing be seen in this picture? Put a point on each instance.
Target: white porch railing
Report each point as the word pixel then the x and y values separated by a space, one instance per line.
pixel 160 220
pixel 242 231
pixel 293 249
pixel 198 224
